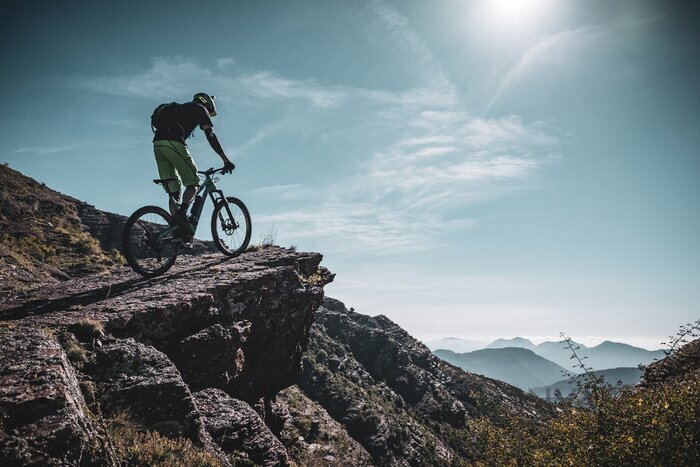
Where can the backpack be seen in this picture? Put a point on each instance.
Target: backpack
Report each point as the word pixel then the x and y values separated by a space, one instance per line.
pixel 163 116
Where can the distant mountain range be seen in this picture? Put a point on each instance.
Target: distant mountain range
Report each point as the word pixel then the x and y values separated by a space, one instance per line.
pixel 602 356
pixel 517 366
pixel 628 376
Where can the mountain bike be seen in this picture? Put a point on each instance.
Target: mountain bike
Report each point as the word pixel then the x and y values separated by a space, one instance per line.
pixel 152 238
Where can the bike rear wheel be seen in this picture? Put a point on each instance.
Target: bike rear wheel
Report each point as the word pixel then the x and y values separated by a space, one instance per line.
pixel 231 232
pixel 148 242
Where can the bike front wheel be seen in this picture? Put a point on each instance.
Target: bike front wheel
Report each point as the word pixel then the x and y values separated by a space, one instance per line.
pixel 230 226
pixel 148 241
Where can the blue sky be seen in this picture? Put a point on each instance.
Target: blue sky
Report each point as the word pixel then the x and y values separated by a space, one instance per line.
pixel 476 169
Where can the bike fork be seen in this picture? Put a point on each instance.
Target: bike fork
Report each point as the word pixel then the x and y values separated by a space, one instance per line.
pixel 228 209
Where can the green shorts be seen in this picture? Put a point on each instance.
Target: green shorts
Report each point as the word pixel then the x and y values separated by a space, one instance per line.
pixel 175 161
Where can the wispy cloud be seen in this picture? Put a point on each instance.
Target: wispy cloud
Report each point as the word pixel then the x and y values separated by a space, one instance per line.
pixel 566 47
pixel 172 76
pixel 395 31
pixel 288 191
pixel 547 47
pixel 267 85
pixel 50 149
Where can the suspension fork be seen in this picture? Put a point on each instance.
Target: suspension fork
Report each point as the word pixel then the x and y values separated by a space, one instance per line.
pixel 222 198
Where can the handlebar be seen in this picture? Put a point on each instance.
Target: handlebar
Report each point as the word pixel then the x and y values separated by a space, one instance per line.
pixel 211 171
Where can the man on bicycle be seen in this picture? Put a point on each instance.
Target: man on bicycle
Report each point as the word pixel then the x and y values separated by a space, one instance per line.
pixel 174 123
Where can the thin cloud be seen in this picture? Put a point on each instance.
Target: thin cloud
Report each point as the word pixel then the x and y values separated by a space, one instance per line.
pixel 287 191
pixel 172 76
pixel 267 85
pixel 566 45
pixel 395 31
pixel 548 45
pixel 225 62
pixel 50 149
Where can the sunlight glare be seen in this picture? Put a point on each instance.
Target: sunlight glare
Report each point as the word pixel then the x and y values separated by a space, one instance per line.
pixel 510 15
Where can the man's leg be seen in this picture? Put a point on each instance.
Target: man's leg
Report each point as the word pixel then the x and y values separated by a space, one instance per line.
pixel 186 168
pixel 178 155
pixel 166 169
pixel 188 196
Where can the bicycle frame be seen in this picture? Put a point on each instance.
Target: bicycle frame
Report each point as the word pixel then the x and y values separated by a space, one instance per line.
pixel 206 189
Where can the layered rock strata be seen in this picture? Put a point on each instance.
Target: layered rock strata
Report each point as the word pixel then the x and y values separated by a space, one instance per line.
pixel 77 353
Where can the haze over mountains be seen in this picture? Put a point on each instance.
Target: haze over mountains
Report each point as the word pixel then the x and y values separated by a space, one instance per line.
pixel 600 357
pixel 520 367
pixel 522 363
pixel 627 376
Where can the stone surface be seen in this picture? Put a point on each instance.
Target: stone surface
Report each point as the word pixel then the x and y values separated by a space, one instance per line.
pixel 44 419
pixel 312 437
pixel 140 380
pixel 403 404
pixel 213 357
pixel 274 289
pixel 236 427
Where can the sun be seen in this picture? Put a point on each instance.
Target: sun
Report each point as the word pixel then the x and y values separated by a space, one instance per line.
pixel 517 13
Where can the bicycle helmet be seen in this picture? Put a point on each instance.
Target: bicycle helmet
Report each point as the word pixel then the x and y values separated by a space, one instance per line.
pixel 207 101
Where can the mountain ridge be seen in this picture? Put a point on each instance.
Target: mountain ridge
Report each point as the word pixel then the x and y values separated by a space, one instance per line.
pixel 608 354
pixel 514 365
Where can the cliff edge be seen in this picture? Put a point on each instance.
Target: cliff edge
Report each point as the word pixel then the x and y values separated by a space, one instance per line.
pixel 86 360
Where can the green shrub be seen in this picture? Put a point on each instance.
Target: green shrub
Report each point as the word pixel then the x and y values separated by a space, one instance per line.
pixel 603 425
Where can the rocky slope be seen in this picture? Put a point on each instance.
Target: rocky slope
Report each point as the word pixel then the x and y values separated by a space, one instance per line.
pixel 196 356
pixel 683 363
pixel 46 236
pixel 404 405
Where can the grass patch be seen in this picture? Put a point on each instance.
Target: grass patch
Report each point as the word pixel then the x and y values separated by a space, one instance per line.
pixel 88 329
pixel 74 351
pixel 62 245
pixel 138 447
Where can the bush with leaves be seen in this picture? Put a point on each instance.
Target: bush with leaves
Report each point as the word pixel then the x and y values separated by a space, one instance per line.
pixel 652 424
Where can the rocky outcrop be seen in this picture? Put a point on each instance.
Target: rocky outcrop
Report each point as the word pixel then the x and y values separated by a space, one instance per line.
pixel 142 380
pixel 220 347
pixel 44 418
pixel 126 344
pixel 403 404
pixel 312 436
pixel 237 429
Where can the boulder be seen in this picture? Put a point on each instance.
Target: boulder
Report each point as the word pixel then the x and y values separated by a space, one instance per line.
pixel 237 428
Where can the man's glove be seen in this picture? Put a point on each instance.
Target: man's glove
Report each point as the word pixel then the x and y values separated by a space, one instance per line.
pixel 228 167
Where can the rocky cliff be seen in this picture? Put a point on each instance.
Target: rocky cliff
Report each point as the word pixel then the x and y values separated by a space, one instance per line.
pixel 89 365
pixel 403 405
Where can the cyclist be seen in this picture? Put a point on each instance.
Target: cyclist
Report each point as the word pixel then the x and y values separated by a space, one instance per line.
pixel 176 123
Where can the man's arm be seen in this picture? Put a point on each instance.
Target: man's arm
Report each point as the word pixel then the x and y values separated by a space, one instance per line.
pixel 216 146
